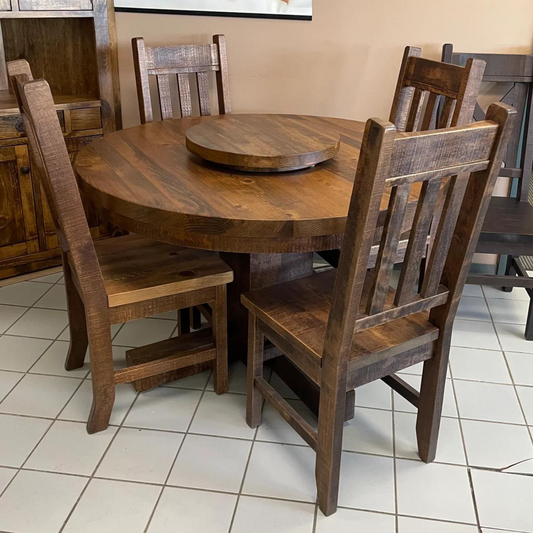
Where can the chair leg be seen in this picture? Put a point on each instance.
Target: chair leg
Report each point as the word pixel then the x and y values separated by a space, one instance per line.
pixel 529 322
pixel 430 403
pixel 220 334
pixel 196 318
pixel 102 374
pixel 77 323
pixel 329 447
pixel 184 321
pixel 507 261
pixel 256 346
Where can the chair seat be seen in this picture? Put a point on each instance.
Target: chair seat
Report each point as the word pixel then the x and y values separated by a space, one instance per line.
pixel 508 217
pixel 137 269
pixel 299 311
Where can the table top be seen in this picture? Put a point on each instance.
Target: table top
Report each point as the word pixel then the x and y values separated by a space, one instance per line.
pixel 263 143
pixel 144 179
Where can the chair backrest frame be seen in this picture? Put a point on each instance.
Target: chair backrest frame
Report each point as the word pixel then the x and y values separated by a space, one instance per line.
pixel 50 156
pixel 518 70
pixel 456 86
pixel 469 157
pixel 181 60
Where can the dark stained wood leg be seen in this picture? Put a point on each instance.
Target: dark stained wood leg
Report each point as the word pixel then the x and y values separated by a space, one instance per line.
pixel 102 373
pixel 196 318
pixel 508 261
pixel 329 446
pixel 220 335
pixel 184 321
pixel 431 399
pixel 77 323
pixel 254 400
pixel 529 322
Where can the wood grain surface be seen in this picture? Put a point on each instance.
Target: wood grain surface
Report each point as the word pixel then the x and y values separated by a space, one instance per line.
pixel 145 180
pixel 264 143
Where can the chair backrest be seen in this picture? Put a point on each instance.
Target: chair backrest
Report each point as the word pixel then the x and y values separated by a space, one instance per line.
pixel 181 60
pixel 50 155
pixel 469 157
pixel 517 70
pixel 423 83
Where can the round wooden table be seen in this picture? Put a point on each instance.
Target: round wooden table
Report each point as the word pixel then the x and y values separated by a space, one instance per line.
pixel 144 179
pixel 149 183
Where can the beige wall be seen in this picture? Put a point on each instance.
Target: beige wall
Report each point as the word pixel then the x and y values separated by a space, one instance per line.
pixel 344 63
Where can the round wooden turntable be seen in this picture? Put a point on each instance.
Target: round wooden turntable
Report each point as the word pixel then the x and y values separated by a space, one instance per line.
pixel 263 143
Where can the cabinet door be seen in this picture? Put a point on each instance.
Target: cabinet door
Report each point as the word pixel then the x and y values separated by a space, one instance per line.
pixel 55 5
pixel 18 226
pixel 5 5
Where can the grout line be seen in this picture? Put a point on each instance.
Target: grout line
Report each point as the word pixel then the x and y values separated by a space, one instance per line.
pixel 465 451
pixel 29 416
pixel 522 410
pixel 395 465
pixel 91 477
pixel 150 518
pixel 315 519
pixel 248 462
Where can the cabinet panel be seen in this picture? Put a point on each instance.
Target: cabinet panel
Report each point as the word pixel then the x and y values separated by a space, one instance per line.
pixel 88 118
pixel 55 5
pixel 18 225
pixel 5 5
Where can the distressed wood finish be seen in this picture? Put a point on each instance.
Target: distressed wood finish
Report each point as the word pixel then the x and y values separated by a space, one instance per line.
pixel 508 227
pixel 181 61
pixel 266 226
pixel 263 143
pixel 162 191
pixel 423 85
pixel 81 68
pixel 119 280
pixel 347 327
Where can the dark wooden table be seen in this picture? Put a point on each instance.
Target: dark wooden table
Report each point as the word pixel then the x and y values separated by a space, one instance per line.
pixel 266 226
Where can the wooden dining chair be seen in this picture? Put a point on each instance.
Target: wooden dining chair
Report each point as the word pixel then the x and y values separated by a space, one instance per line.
pixel 423 87
pixel 120 279
pixel 182 61
pixel 347 327
pixel 508 226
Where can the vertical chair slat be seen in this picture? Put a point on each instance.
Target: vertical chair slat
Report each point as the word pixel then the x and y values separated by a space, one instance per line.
pixel 388 248
pixel 430 115
pixel 203 93
pixel 165 101
pixel 443 235
pixel 445 119
pixel 184 90
pixel 416 110
pixel 417 241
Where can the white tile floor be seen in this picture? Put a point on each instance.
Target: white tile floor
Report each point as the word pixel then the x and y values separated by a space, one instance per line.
pixel 182 459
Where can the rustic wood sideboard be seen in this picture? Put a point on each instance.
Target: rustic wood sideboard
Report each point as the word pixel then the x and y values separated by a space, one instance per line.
pixel 72 44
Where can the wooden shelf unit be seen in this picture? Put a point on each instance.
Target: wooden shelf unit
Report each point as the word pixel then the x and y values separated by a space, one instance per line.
pixel 72 44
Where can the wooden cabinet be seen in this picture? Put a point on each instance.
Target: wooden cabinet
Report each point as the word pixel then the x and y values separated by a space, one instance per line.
pixel 81 69
pixel 18 223
pixel 54 5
